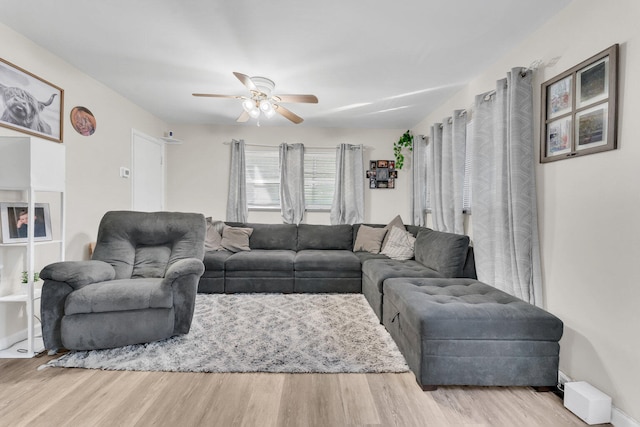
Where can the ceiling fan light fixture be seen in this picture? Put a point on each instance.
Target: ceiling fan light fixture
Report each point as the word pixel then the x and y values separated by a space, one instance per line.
pixel 254 113
pixel 265 106
pixel 270 113
pixel 248 105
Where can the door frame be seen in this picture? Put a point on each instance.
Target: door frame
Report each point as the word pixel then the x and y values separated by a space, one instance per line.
pixel 138 134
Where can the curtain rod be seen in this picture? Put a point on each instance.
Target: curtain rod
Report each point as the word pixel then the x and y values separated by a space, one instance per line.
pixel 310 147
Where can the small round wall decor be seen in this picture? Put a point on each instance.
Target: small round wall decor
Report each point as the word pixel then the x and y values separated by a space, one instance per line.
pixel 83 121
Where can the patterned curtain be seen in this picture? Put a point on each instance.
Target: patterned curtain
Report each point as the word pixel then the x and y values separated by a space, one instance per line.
pixel 348 198
pixel 505 227
pixel 419 181
pixel 292 183
pixel 237 210
pixel 445 171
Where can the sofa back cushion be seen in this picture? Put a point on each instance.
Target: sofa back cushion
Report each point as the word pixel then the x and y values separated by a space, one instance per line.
pixel 271 236
pixel 325 237
pixel 144 244
pixel 444 252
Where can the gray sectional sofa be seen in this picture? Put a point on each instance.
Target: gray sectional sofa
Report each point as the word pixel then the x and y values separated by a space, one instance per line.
pixel 320 258
pixel 451 328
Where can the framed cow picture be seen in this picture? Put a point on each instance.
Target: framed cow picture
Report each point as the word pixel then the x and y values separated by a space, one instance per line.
pixel 30 104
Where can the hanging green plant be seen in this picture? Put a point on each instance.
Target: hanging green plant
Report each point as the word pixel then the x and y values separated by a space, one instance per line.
pixel 405 141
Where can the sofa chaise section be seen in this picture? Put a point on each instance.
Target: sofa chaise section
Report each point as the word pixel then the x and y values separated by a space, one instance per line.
pixel 465 332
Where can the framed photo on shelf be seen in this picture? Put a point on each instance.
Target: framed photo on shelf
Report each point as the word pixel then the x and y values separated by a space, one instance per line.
pixel 579 109
pixel 14 217
pixel 30 104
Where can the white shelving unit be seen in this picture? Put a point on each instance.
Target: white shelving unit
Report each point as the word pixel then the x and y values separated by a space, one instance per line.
pixel 32 165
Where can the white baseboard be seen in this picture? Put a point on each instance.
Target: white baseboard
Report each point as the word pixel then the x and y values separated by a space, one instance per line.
pixel 618 418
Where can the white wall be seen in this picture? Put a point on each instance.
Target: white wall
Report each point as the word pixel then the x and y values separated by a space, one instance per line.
pixel 93 183
pixel 589 234
pixel 198 170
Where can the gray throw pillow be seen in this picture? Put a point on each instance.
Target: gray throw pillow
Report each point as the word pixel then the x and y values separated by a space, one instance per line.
pixel 236 239
pixel 400 245
pixel 213 236
pixel 395 222
pixel 369 239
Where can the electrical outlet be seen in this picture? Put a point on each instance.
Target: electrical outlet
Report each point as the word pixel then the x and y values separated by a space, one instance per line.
pixel 124 172
pixel 562 378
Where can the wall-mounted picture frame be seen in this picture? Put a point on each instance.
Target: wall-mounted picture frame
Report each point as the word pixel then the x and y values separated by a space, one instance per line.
pixel 382 174
pixel 579 109
pixel 82 120
pixel 14 217
pixel 30 104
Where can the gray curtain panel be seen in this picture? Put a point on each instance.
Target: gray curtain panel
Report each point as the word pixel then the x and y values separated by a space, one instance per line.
pixel 419 181
pixel 458 155
pixel 446 173
pixel 292 183
pixel 505 218
pixel 348 198
pixel 434 176
pixel 237 210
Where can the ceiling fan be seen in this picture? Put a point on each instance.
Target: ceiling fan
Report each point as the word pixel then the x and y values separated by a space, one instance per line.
pixel 262 101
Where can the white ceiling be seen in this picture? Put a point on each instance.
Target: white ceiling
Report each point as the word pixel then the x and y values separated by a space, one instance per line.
pixel 372 64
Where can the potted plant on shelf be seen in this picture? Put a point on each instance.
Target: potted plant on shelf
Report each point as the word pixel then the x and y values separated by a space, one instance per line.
pixel 405 141
pixel 25 280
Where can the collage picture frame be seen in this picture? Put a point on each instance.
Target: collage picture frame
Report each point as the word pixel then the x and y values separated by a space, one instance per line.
pixel 382 174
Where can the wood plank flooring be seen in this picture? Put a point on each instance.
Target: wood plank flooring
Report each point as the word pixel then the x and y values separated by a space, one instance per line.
pixel 81 397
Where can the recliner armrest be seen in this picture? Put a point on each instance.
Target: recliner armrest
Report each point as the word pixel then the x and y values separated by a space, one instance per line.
pixel 184 267
pixel 78 273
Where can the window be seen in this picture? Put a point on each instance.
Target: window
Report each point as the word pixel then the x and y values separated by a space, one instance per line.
pixel 466 192
pixel 263 178
pixel 319 178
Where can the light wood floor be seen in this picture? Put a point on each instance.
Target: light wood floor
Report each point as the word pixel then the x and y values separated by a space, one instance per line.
pixel 81 397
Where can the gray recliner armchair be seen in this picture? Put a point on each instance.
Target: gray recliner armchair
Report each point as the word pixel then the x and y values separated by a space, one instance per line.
pixel 140 285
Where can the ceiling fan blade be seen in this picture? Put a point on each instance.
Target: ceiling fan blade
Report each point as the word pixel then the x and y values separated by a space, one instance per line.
pixel 215 95
pixel 243 117
pixel 246 80
pixel 310 99
pixel 288 114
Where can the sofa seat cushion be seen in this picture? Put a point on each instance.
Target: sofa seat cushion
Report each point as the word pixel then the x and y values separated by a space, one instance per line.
pixel 322 260
pixel 214 260
pixel 364 256
pixel 466 309
pixel 378 270
pixel 119 295
pixel 261 260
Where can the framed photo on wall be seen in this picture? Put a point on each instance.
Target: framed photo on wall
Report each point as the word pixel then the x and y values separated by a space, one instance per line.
pixel 579 109
pixel 30 104
pixel 14 217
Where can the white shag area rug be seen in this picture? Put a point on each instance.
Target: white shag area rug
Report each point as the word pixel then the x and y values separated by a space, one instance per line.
pixel 293 333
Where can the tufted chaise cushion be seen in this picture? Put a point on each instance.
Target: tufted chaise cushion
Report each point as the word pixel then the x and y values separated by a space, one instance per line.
pixel 464 332
pixel 468 309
